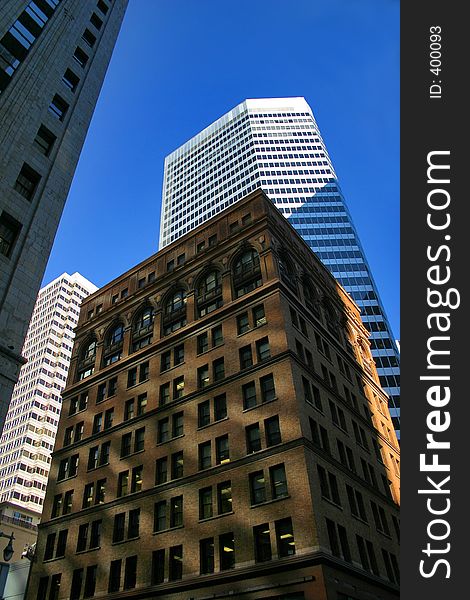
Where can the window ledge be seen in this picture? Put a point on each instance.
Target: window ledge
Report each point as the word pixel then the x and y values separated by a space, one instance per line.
pixel 216 517
pixel 260 404
pixel 266 502
pixel 213 423
pixel 168 529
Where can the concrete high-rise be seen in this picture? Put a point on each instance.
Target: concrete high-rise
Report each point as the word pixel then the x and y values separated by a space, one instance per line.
pixel 275 144
pixel 30 427
pixel 234 441
pixel 53 58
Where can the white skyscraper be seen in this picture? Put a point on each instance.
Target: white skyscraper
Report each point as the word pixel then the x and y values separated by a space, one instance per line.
pixel 30 427
pixel 275 144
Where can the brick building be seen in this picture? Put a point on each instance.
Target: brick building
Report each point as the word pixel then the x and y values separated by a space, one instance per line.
pixel 223 431
pixel 53 59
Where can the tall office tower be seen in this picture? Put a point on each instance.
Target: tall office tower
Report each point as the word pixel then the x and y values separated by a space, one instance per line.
pixel 53 59
pixel 234 439
pixel 275 144
pixel 31 423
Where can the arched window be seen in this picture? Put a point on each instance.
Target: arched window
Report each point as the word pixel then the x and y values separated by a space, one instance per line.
pixel 331 317
pixel 142 329
pixel 113 345
pixel 174 313
pixel 246 273
pixel 311 297
pixel 86 361
pixel 287 270
pixel 209 293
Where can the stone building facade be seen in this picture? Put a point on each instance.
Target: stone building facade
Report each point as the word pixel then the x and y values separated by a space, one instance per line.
pixel 53 59
pixel 223 431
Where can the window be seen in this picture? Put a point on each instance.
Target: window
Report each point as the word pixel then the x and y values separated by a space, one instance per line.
pixel 165 361
pixel 204 451
pixel 58 107
pixel 268 391
pixel 224 497
pixel 391 566
pixel 209 293
pixel 356 503
pixel 259 317
pixel 114 576
pixel 177 425
pixel 262 541
pixel 139 439
pixel 68 467
pixel 338 540
pixel 76 587
pixel 222 452
pixel 217 336
pixel 277 475
pixel 203 413
pixel 9 231
pixel 178 355
pixel 95 535
pixel 102 7
pixel 126 444
pixel 131 377
pixel 203 376
pixel 227 551
pixel 101 392
pixel 141 404
pixel 380 518
pixel 328 485
pixel 163 430
pixel 218 369
pixel 206 552
pixel 272 431
pixel 89 38
pixel 174 314
pixel 246 273
pixel 367 555
pixel 108 418
pixel 263 351
pixel 90 581
pixel 249 395
pixel 118 528
pixel 70 80
pixel 123 484
pixel 220 407
pixel 44 140
pixel 246 358
pixel 176 511
pixel 93 457
pixel 55 586
pixel 257 487
pixel 175 570
pixel 130 572
pixel 158 566
pixel 178 387
pixel 78 403
pixel 136 481
pixel 98 23
pixel 161 470
pixel 134 523
pixel 142 329
pixel 337 416
pixel 312 394
pixel 61 543
pixel 159 521
pixel 129 410
pixel 177 465
pixel 202 343
pixel 285 538
pixel 164 394
pixel 205 503
pixel 27 181
pixel 113 345
pixel 49 549
pixel 253 438
pixel 243 323
pixel 319 435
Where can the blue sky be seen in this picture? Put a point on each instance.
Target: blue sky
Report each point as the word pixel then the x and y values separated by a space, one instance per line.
pixel 178 65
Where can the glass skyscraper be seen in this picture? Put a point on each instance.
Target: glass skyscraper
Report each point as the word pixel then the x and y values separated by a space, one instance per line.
pixel 275 144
